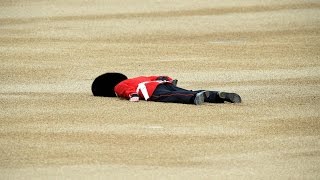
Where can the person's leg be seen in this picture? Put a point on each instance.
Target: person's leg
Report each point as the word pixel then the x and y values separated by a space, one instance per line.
pixel 174 94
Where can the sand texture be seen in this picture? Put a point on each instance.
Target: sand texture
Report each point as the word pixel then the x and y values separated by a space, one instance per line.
pixel 51 127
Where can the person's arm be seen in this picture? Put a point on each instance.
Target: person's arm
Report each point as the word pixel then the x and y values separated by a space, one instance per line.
pixel 167 78
pixel 126 91
pixel 164 78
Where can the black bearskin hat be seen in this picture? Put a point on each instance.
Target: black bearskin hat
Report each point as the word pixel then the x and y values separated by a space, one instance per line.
pixel 104 84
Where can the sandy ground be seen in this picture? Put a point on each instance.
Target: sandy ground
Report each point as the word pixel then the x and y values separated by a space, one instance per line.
pixel 51 126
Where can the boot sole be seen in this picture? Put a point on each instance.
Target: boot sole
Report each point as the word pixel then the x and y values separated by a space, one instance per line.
pixel 199 99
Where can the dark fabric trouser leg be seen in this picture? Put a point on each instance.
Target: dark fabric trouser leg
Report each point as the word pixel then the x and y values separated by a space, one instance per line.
pixel 173 94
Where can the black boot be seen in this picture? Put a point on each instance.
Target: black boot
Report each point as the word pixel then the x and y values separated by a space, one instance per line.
pixel 230 97
pixel 200 97
pixel 213 97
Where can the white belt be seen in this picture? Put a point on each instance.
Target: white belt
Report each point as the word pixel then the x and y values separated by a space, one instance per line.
pixel 142 87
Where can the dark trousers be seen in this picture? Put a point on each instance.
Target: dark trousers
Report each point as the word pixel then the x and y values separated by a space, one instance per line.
pixel 169 93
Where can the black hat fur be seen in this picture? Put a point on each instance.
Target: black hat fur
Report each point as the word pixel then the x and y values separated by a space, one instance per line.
pixel 104 84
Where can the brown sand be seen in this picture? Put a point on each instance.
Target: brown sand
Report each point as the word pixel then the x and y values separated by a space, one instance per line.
pixel 267 51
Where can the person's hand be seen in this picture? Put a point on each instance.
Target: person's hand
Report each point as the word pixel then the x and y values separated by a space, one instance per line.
pixel 163 78
pixel 134 98
pixel 174 82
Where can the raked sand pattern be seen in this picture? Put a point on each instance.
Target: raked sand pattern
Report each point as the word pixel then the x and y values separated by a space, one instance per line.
pixel 51 127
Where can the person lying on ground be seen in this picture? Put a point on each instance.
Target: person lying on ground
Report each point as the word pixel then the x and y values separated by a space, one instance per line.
pixel 155 88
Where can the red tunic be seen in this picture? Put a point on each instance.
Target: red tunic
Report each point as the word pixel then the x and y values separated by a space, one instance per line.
pixel 130 86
